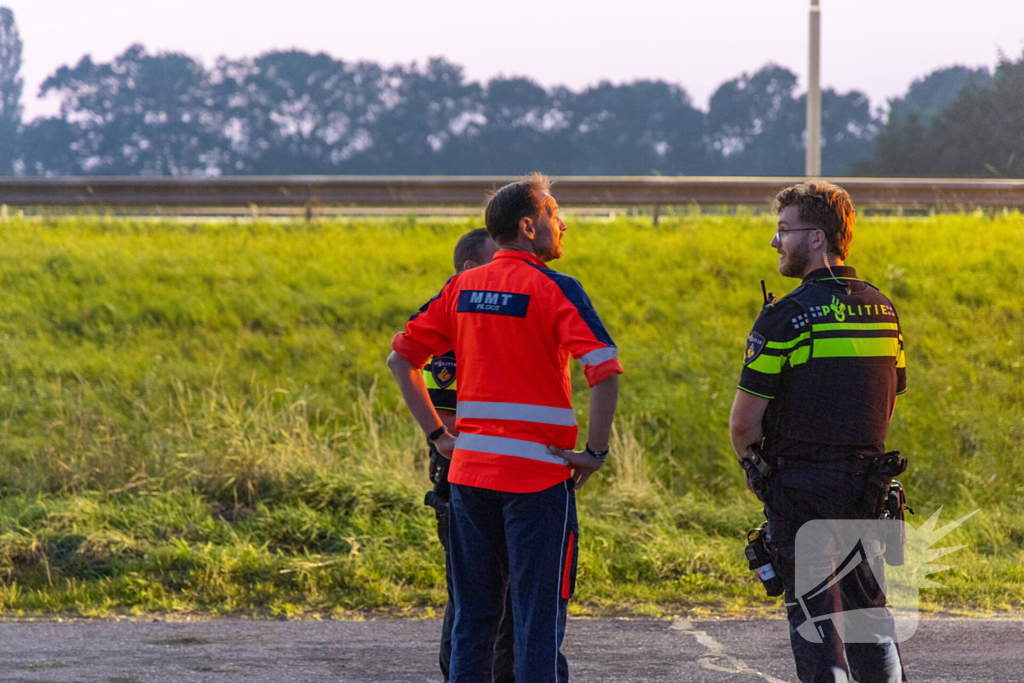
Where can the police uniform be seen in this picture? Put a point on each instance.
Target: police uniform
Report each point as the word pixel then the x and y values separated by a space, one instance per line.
pixel 829 357
pixel 514 324
pixel 440 376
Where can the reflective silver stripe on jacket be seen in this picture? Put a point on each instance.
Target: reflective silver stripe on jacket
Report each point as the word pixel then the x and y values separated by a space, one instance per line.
pixel 489 410
pixel 598 356
pixel 500 445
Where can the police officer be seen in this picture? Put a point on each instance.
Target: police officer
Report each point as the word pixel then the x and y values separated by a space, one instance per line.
pixel 514 324
pixel 822 369
pixel 473 249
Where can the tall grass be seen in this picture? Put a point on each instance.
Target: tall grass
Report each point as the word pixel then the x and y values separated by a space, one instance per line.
pixel 199 417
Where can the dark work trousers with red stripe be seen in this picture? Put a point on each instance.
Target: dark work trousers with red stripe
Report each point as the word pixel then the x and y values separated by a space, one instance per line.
pixel 528 542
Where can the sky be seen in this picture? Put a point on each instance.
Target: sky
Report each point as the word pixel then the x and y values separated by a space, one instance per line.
pixel 875 46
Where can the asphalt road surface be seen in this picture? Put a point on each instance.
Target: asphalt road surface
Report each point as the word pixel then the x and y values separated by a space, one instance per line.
pixel 625 651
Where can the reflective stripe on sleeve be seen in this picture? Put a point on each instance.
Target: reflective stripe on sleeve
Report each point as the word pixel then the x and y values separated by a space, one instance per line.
pixel 767 364
pixel 525 412
pixel 599 356
pixel 788 344
pixel 800 355
pixel 500 445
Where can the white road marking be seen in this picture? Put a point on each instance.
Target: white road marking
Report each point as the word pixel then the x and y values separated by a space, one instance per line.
pixel 717 659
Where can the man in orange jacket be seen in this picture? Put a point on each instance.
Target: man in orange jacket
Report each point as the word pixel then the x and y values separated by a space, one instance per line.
pixel 513 324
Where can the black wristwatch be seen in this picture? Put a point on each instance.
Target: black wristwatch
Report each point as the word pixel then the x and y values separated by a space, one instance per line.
pixel 599 455
pixel 436 434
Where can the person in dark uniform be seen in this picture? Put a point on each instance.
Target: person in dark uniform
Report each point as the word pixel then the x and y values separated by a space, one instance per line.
pixel 822 369
pixel 475 248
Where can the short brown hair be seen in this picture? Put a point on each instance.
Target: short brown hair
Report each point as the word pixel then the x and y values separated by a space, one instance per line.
pixel 826 207
pixel 512 203
pixel 469 247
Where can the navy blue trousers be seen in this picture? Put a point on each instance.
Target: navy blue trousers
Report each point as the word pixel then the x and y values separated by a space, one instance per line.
pixel 797 496
pixel 526 543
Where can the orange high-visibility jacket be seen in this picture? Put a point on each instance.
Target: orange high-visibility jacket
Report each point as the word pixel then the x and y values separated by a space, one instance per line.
pixel 513 323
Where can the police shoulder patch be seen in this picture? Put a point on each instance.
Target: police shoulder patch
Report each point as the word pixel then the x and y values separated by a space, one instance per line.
pixel 443 370
pixel 755 345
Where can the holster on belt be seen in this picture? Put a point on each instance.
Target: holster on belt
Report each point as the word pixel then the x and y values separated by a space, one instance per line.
pixel 438 497
pixel 881 474
pixel 759 470
pixel 896 535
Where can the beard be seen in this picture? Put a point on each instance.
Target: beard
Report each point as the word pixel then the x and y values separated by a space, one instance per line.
pixel 549 249
pixel 795 259
pixel 554 252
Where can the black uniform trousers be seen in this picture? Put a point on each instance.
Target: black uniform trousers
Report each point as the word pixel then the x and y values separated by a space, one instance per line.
pixel 504 671
pixel 793 497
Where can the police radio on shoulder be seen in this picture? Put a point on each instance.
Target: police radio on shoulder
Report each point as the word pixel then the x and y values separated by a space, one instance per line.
pixel 598 455
pixel 436 434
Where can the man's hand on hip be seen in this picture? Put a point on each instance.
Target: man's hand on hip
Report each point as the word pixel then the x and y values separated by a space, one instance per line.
pixel 582 463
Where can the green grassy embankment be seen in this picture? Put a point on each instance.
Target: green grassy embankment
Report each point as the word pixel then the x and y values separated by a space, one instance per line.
pixel 198 417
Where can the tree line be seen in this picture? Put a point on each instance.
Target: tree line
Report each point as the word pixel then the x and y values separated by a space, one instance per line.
pixel 292 112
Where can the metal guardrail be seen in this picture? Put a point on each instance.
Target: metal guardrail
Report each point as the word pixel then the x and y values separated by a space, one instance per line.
pixel 396 191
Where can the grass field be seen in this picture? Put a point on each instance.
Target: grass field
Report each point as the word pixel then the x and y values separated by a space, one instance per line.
pixel 199 418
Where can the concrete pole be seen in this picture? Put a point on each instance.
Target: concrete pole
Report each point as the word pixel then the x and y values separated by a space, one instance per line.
pixel 813 168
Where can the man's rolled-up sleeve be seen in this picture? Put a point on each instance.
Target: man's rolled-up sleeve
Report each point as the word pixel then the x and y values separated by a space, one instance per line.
pixel 426 333
pixel 581 331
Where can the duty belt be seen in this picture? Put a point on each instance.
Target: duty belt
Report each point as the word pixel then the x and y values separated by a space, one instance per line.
pixel 850 465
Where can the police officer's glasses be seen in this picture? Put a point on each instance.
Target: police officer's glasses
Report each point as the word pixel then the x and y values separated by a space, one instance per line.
pixel 779 233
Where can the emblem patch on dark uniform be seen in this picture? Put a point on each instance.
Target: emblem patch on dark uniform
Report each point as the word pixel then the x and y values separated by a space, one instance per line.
pixel 755 344
pixel 443 370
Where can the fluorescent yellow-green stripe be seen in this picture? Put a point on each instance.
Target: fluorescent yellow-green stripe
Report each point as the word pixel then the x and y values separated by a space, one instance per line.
pixel 769 365
pixel 800 356
pixel 788 344
pixel 856 348
pixel 824 327
pixel 742 388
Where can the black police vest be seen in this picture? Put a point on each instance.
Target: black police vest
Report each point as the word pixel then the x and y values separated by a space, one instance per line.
pixel 843 368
